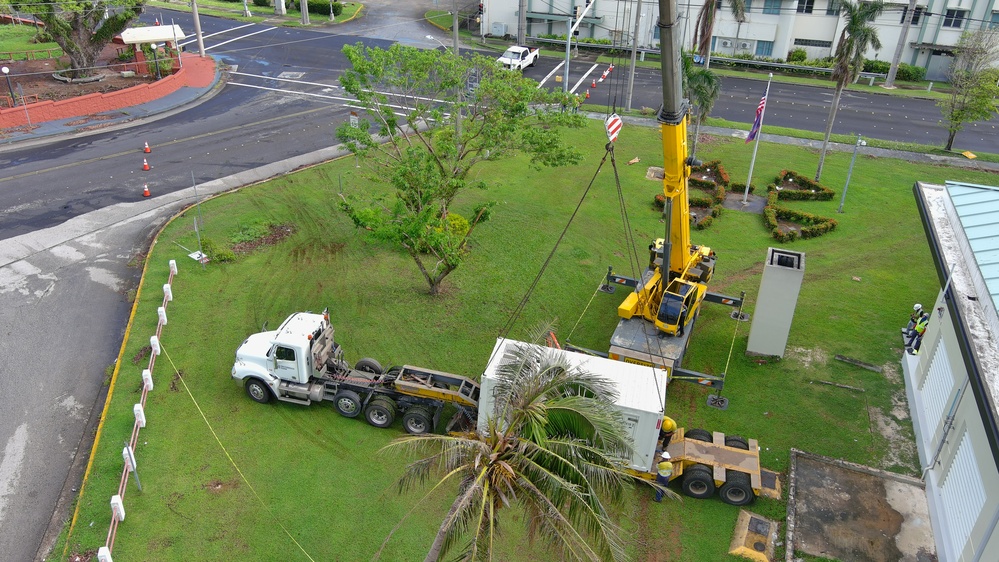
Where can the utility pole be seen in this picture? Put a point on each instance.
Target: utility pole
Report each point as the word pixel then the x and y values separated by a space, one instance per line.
pixel 909 15
pixel 850 172
pixel 581 12
pixel 197 28
pixel 634 54
pixel 304 6
pixel 522 22
pixel 454 27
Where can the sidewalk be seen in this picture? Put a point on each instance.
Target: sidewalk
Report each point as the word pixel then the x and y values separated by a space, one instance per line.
pixel 197 81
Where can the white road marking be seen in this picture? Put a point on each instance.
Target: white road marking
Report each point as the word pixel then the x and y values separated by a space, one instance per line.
pixel 242 37
pixel 203 37
pixel 10 466
pixel 554 70
pixel 583 79
pixel 280 79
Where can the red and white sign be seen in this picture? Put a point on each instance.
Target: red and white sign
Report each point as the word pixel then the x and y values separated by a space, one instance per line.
pixel 613 125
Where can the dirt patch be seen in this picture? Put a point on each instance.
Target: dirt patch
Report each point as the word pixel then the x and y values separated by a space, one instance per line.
pixel 34 77
pixel 901 449
pixel 217 486
pixel 174 379
pixel 806 356
pixel 87 556
pixel 275 234
pixel 655 541
pixel 890 371
pixel 141 355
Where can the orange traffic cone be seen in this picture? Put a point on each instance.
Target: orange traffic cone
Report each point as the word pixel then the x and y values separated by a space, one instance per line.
pixel 146 149
pixel 587 94
pixel 593 84
pixel 145 165
pixel 145 190
pixel 157 21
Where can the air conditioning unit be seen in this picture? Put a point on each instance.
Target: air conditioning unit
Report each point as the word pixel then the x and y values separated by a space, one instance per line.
pixel 745 45
pixel 726 43
pixel 499 29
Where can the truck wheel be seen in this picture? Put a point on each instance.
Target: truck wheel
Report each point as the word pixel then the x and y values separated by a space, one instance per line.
pixel 380 412
pixel 737 442
pixel 698 435
pixel 737 489
pixel 348 403
pixel 698 482
pixel 369 365
pixel 257 390
pixel 418 420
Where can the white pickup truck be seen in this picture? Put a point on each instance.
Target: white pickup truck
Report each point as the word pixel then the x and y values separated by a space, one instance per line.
pixel 519 58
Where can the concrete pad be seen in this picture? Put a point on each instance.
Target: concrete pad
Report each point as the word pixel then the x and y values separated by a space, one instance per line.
pixel 754 537
pixel 845 511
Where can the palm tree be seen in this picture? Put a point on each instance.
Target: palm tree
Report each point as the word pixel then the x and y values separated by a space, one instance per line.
pixel 555 446
pixel 857 36
pixel 705 27
pixel 702 88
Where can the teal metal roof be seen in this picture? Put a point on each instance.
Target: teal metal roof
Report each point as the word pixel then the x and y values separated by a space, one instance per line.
pixel 977 207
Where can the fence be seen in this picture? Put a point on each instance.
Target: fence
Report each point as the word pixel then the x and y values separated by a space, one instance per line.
pixel 128 452
pixel 37 54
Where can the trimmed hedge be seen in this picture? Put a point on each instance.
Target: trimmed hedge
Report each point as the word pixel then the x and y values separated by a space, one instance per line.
pixel 813 226
pixel 719 170
pixel 808 189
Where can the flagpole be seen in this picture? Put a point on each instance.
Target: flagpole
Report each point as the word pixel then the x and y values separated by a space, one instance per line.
pixel 752 163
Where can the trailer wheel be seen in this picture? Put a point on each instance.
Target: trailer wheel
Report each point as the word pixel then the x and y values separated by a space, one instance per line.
pixel 737 442
pixel 348 403
pixel 698 435
pixel 698 482
pixel 369 365
pixel 418 420
pixel 257 390
pixel 380 412
pixel 737 489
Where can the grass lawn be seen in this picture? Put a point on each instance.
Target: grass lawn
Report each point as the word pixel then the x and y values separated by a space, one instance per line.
pixel 224 477
pixel 234 10
pixel 17 39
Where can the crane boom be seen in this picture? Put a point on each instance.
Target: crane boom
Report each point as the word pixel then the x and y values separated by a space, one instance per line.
pixel 675 285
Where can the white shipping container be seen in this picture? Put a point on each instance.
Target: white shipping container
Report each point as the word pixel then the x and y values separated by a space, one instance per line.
pixel 641 395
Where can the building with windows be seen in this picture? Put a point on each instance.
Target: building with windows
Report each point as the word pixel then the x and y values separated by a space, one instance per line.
pixel 771 28
pixel 952 384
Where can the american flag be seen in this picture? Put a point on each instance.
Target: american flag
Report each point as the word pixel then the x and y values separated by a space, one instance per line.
pixel 759 119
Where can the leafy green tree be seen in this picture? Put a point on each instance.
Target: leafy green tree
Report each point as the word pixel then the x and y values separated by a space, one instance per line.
pixel 555 446
pixel 972 81
pixel 80 28
pixel 427 129
pixel 857 36
pixel 706 24
pixel 702 88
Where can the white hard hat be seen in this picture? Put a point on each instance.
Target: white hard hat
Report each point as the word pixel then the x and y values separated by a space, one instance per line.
pixel 917 307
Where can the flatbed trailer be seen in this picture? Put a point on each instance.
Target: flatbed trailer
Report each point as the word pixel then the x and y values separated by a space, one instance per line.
pixel 706 462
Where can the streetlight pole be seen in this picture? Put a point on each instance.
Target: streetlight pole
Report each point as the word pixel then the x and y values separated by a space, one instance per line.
pixel 850 172
pixel 6 74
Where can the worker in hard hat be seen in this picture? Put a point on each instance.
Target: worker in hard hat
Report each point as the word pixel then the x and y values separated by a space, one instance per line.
pixel 666 429
pixel 664 470
pixel 917 313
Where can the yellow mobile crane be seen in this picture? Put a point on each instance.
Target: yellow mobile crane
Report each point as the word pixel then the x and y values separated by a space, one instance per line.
pixel 667 298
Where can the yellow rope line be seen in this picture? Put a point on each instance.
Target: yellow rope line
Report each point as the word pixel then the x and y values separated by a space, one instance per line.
pixel 587 307
pixel 228 456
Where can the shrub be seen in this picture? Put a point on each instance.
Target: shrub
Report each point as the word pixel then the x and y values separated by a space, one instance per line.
pixel 704 222
pixel 910 73
pixel 807 189
pixel 217 253
pixel 738 187
pixel 716 165
pixel 659 202
pixel 813 225
pixel 878 66
pixel 262 3
pixel 698 201
pixel 797 55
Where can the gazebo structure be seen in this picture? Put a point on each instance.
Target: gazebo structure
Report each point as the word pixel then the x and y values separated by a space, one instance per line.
pixel 156 35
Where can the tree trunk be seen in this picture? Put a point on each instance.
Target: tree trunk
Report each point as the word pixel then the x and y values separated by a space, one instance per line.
pixel 890 81
pixel 950 140
pixel 829 127
pixel 304 6
pixel 435 549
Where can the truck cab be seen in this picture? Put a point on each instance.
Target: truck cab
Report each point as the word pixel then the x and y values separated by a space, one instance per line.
pixel 293 353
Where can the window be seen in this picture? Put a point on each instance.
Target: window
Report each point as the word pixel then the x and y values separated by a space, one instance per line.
pixel 718 4
pixel 805 6
pixel 748 5
pixel 764 48
pixel 915 16
pixel 285 354
pixel 993 24
pixel 954 18
pixel 655 32
pixel 832 9
pixel 812 43
pixel 771 6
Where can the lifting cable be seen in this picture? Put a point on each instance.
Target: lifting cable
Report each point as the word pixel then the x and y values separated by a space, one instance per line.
pixel 738 320
pixel 505 331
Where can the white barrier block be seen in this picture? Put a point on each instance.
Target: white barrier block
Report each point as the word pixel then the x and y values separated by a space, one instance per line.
pixel 129 457
pixel 147 380
pixel 140 415
pixel 161 312
pixel 173 267
pixel 167 292
pixel 117 508
pixel 104 554
pixel 154 342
